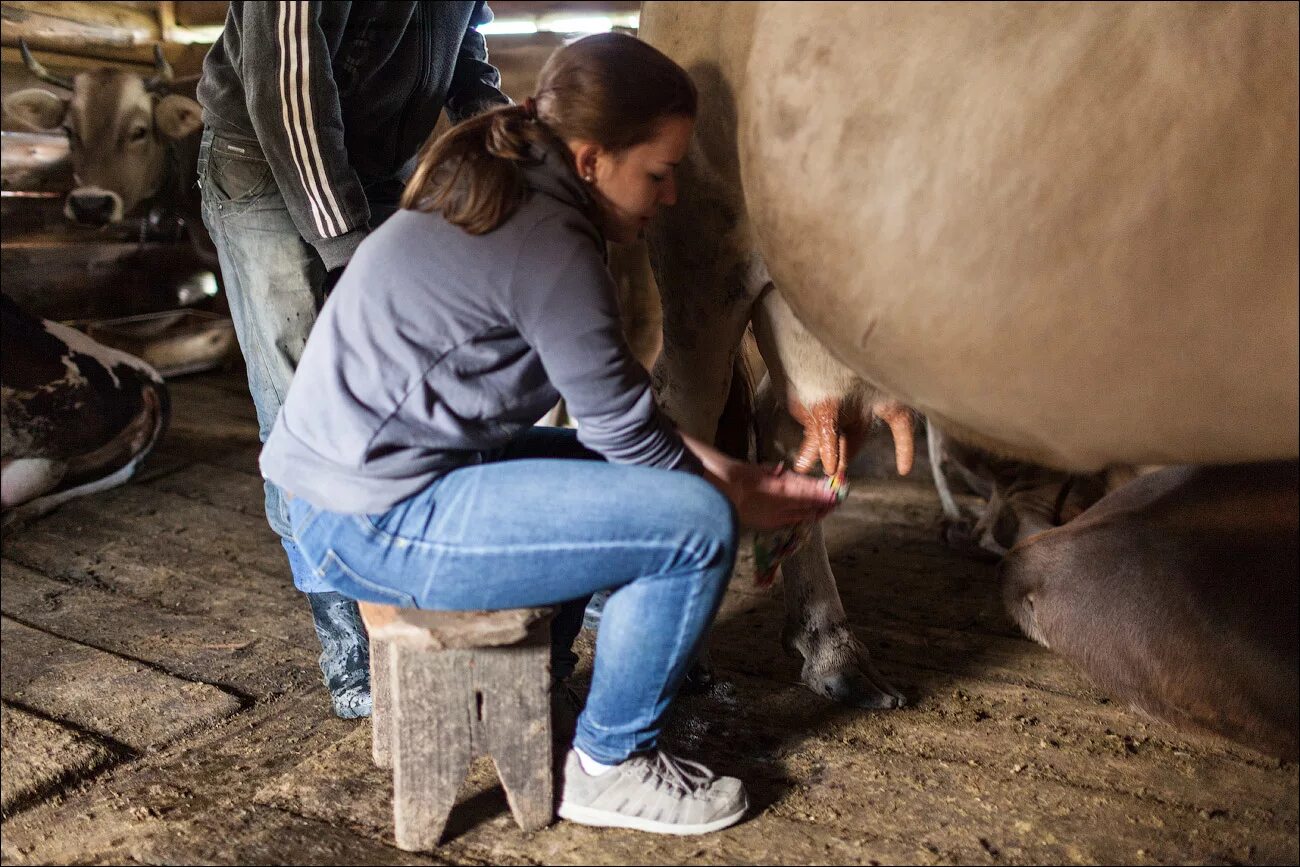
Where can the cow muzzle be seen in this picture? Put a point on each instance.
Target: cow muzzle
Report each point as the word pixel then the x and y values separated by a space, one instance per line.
pixel 93 206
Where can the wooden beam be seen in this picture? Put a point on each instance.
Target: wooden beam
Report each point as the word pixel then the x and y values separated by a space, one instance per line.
pixel 77 26
pixel 519 59
pixel 185 60
pixel 180 24
pixel 575 8
pixel 35 162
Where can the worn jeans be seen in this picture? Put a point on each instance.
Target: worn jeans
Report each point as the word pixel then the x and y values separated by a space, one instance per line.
pixel 520 530
pixel 273 281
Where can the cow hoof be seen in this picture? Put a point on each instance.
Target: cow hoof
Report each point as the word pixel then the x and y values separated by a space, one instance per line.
pixel 848 676
pixel 855 690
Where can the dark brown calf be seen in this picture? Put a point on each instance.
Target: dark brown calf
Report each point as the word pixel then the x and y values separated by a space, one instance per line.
pixel 1178 593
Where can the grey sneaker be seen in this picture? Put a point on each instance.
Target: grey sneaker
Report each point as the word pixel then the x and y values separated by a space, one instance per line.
pixel 653 792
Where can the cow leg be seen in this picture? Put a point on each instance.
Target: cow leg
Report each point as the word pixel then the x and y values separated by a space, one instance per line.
pixel 960 531
pixel 934 445
pixel 1178 593
pixel 969 535
pixel 701 252
pixel 693 374
pixel 692 378
pixel 836 664
pixel 1020 499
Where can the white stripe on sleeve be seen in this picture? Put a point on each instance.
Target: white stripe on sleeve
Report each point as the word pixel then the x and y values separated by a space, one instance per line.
pixel 289 113
pixel 314 152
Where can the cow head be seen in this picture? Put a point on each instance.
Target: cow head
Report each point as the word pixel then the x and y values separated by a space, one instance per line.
pixel 120 128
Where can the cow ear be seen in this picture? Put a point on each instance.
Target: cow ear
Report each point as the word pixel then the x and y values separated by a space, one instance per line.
pixel 176 116
pixel 37 109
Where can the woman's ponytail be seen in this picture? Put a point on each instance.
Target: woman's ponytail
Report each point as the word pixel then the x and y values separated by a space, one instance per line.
pixel 471 173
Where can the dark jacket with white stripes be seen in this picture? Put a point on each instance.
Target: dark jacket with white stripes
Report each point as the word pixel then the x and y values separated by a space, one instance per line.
pixel 340 96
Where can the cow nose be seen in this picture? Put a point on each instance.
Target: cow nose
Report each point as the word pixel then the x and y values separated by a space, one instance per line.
pixel 94 209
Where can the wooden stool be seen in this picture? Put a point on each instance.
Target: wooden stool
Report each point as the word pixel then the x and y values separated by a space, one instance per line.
pixel 448 686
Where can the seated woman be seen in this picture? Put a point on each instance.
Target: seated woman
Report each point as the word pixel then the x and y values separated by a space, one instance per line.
pixel 406 439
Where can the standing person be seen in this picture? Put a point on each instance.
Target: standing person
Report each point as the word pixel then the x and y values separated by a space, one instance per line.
pixel 312 112
pixel 406 443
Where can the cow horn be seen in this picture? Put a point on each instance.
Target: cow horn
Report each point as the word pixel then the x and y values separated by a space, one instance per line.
pixel 35 68
pixel 164 76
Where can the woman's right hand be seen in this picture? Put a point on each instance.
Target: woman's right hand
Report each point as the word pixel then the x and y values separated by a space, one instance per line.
pixel 765 498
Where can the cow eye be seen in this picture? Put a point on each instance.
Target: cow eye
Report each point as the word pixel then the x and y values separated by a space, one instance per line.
pixel 139 133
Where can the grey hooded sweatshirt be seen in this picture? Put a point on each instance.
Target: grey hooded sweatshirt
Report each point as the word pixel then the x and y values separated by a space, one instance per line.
pixel 437 345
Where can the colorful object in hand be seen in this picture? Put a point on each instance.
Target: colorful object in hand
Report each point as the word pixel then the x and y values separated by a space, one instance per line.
pixel 770 548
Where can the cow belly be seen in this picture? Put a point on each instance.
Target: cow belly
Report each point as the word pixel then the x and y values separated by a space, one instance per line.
pixel 1067 232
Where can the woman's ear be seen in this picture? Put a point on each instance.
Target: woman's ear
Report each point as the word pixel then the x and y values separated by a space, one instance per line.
pixel 585 154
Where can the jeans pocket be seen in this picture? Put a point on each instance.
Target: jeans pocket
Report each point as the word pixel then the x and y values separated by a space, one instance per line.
pixel 237 180
pixel 350 583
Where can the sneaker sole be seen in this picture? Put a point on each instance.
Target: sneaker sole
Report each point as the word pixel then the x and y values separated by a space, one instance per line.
pixel 609 819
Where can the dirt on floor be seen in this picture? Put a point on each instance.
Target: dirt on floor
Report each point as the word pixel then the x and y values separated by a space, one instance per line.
pixel 162 705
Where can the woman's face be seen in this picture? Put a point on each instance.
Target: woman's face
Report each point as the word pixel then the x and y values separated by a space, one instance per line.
pixel 630 186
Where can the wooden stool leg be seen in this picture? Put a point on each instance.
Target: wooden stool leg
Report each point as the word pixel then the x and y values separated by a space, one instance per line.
pixel 432 742
pixel 515 724
pixel 381 697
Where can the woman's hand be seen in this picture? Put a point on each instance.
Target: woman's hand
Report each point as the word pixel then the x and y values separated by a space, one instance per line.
pixel 765 498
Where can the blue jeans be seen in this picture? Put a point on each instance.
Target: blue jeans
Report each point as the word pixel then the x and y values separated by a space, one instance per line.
pixel 273 281
pixel 523 530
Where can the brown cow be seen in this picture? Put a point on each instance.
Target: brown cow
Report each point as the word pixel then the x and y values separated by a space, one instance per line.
pixel 1177 592
pixel 131 141
pixel 1065 233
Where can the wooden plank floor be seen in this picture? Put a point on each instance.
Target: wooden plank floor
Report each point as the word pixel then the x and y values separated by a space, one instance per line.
pixel 162 705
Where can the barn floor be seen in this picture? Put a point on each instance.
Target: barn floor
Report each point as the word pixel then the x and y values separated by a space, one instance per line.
pixel 162 705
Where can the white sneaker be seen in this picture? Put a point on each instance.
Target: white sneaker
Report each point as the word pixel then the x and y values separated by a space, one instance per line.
pixel 654 792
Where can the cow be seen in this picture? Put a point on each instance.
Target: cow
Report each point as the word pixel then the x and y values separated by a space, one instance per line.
pixel 1063 233
pixel 1191 573
pixel 76 416
pixel 131 142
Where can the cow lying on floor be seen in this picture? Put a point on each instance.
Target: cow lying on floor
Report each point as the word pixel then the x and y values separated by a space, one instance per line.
pixel 76 416
pixel 1178 593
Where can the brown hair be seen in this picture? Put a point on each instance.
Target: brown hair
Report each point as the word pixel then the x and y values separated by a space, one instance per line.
pixel 609 88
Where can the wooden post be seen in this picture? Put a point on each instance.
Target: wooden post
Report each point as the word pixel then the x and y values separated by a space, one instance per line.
pixel 167 20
